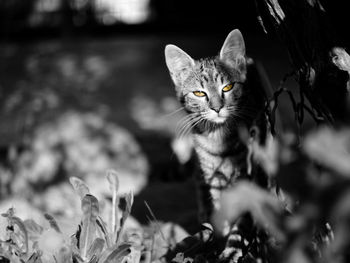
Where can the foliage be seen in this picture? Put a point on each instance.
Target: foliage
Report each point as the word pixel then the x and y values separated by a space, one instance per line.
pixel 94 239
pixel 307 217
pixel 82 144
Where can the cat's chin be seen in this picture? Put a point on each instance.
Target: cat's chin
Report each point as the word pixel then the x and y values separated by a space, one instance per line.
pixel 219 120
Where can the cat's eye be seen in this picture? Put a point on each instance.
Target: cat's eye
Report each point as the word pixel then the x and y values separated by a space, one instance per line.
pixel 228 87
pixel 199 93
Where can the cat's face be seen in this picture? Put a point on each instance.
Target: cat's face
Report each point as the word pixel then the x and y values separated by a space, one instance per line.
pixel 210 89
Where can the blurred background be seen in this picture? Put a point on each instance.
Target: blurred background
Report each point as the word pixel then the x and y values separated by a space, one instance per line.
pixel 84 88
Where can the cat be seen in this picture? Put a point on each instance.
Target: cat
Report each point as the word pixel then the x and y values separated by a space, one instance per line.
pixel 222 96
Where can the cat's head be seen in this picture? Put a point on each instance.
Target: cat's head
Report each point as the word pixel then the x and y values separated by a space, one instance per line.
pixel 210 88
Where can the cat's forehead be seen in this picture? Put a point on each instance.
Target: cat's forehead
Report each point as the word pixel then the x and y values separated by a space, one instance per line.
pixel 210 69
pixel 207 66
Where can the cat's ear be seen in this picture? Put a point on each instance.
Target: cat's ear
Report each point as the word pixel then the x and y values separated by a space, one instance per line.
pixel 178 62
pixel 233 50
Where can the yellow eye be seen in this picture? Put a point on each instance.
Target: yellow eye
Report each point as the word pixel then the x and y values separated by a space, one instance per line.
pixel 227 88
pixel 199 93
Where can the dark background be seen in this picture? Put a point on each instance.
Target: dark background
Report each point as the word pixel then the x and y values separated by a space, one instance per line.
pixel 165 17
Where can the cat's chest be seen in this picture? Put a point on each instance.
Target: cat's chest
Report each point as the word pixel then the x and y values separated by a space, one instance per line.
pixel 219 156
pixel 213 143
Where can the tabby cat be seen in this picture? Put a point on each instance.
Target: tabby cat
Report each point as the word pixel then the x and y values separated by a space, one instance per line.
pixel 221 95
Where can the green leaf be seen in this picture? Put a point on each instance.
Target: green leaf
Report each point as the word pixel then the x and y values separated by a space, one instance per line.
pixel 52 222
pixel 79 186
pixel 90 208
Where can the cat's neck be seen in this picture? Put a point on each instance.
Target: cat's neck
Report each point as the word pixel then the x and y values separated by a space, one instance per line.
pixel 219 152
pixel 216 141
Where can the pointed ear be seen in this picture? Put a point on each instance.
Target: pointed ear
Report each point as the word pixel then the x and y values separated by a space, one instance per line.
pixel 233 50
pixel 178 62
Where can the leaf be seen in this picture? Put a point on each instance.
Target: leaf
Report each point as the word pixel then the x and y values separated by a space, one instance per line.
pixel 115 254
pixel 191 245
pixel 125 205
pixel 77 258
pixel 341 59
pixel 330 148
pixel 94 259
pixel 64 255
pixel 33 226
pixel 11 247
pixel 134 255
pixel 34 230
pixel 179 258
pixel 34 258
pixel 112 178
pixel 79 186
pixel 10 213
pixel 74 240
pixel 90 209
pixel 96 248
pixel 147 256
pixel 262 205
pixel 102 226
pixel 17 221
pixel 52 222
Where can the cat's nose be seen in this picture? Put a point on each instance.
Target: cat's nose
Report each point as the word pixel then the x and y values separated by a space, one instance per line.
pixel 216 109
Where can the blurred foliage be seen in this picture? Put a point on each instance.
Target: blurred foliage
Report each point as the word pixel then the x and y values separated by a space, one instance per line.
pixel 94 239
pixel 17 16
pixel 83 144
pixel 307 217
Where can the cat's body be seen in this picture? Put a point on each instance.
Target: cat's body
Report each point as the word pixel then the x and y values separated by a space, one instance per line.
pixel 221 95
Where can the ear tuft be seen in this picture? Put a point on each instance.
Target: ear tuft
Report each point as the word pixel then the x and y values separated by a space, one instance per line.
pixel 233 50
pixel 177 60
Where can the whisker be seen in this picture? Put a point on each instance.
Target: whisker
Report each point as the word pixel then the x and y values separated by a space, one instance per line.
pixel 189 128
pixel 186 126
pixel 172 113
pixel 184 120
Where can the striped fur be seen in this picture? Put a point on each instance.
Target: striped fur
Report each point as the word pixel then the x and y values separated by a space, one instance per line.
pixel 214 121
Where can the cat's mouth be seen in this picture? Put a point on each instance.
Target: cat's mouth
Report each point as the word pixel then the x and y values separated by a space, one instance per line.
pixel 217 117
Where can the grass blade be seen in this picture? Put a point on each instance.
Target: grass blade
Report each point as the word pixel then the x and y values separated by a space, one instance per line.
pixel 155 220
